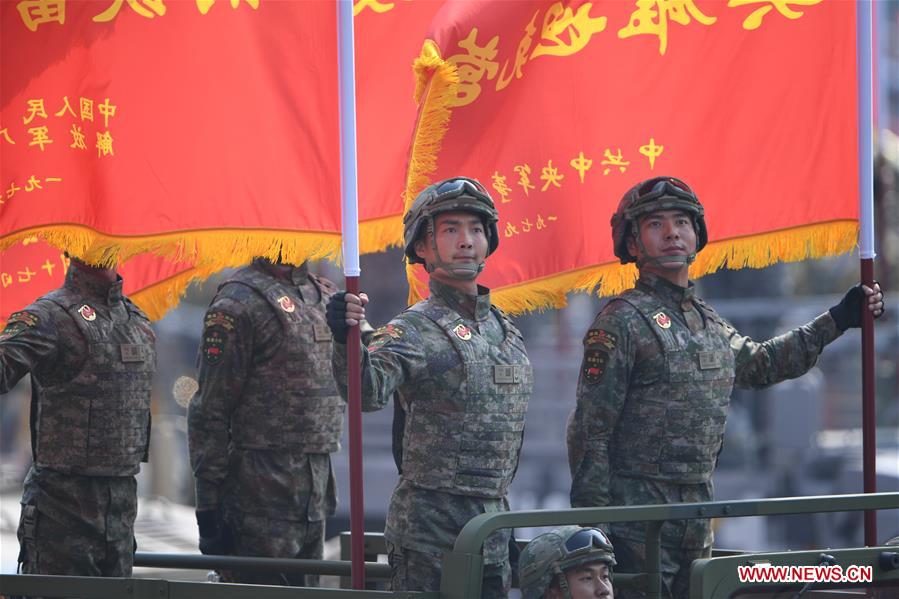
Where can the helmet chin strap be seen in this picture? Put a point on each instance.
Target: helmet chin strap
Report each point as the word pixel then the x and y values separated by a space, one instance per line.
pixel 460 272
pixel 563 582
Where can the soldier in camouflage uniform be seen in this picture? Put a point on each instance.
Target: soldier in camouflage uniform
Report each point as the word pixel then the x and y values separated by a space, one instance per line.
pixel 658 370
pixel 265 419
pixel 458 367
pixel 91 355
pixel 567 563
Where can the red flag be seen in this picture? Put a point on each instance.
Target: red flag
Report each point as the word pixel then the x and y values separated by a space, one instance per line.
pixel 206 131
pixel 560 107
pixel 388 36
pixel 160 126
pixel 31 268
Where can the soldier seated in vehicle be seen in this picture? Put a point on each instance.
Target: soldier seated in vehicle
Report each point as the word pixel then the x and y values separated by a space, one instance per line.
pixel 567 563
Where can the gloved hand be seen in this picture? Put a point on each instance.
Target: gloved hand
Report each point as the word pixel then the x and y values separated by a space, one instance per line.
pixel 336 315
pixel 848 313
pixel 215 536
pixel 344 311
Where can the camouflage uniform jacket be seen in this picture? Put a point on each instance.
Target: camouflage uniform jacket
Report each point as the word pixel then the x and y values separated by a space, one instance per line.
pixel 659 367
pixel 460 371
pixel 267 414
pixel 45 340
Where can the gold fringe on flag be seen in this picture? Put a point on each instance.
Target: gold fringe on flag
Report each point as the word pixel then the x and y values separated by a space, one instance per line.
pixel 211 250
pixel 205 252
pixel 754 251
pixel 436 84
pixel 157 299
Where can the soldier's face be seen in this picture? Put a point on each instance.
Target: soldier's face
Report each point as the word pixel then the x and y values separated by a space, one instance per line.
pixel 588 581
pixel 460 238
pixel 665 233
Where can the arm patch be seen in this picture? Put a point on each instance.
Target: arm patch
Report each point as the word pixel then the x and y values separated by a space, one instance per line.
pixel 18 322
pixel 218 318
pixel 385 335
pixel 215 340
pixel 601 337
pixel 595 361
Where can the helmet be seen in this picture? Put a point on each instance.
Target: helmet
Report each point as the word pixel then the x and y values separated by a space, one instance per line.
pixel 458 193
pixel 550 554
pixel 652 195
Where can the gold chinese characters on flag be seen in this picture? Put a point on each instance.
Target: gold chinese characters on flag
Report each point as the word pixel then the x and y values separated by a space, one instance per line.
pixel 560 107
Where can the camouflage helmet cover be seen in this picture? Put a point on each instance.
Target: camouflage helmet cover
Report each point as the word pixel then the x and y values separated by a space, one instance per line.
pixel 652 195
pixel 549 554
pixel 454 194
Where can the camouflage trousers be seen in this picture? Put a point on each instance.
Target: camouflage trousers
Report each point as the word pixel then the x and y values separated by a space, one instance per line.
pixel 418 571
pixel 48 547
pixel 259 536
pixel 675 566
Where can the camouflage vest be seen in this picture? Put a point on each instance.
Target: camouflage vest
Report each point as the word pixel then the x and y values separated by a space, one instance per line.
pixel 467 439
pixel 290 401
pixel 98 422
pixel 672 424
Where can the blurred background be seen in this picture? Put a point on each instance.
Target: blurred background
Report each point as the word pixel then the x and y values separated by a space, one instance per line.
pixel 801 437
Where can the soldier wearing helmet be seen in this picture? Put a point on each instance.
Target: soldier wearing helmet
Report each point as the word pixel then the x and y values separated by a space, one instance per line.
pixel 570 562
pixel 458 369
pixel 658 370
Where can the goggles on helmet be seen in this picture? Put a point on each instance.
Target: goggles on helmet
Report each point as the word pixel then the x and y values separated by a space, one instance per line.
pixel 663 187
pixel 585 540
pixel 452 188
pixel 442 196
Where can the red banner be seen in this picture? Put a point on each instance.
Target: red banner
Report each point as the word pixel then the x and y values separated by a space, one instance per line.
pixel 140 125
pixel 560 107
pixel 30 268
pixel 202 130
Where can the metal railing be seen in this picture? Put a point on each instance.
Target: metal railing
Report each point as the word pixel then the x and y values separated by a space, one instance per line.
pixel 462 567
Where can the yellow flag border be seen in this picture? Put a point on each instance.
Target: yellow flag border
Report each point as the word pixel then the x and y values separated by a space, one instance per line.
pixel 205 252
pixel 436 85
pixel 755 251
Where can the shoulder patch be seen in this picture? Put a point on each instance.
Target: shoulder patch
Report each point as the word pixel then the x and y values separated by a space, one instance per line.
pixel 595 361
pixel 218 318
pixel 18 322
pixel 29 319
pixel 601 337
pixel 384 335
pixel 215 340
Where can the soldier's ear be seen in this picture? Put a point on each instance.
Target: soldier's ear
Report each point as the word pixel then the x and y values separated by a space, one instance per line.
pixel 420 246
pixel 631 246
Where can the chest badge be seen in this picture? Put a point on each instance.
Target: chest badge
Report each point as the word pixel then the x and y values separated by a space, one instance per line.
pixel 662 320
pixel 87 313
pixel 462 332
pixel 286 304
